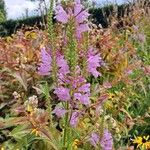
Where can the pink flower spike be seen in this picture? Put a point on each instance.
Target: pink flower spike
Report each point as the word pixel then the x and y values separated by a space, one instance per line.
pixel 46 60
pixel 62 93
pixel 81 28
pixel 62 64
pixel 94 139
pixel 82 16
pixel 77 8
pixel 74 119
pixel 84 88
pixel 61 14
pixel 59 111
pixel 83 98
pixel 93 62
pixel 107 141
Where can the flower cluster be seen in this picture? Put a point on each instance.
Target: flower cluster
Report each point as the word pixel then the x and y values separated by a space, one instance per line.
pixel 106 142
pixel 77 14
pixel 143 142
pixel 73 89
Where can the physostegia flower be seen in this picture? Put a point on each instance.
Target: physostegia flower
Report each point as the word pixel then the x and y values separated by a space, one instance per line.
pixel 46 60
pixel 59 111
pixel 105 142
pixel 93 62
pixel 77 13
pixel 94 139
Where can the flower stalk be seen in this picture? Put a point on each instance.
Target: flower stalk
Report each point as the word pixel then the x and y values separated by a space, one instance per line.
pixel 51 35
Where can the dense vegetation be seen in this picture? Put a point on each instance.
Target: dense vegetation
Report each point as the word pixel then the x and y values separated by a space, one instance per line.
pixel 2 11
pixel 98 16
pixel 75 85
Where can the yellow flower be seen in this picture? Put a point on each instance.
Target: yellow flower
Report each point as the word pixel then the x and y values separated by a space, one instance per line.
pixel 142 142
pixel 35 131
pixel 29 109
pixel 111 96
pixel 75 144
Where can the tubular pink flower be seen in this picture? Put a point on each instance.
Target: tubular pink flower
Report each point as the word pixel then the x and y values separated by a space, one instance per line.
pixel 94 139
pixel 63 66
pixel 81 88
pixel 83 98
pixel 59 111
pixel 107 141
pixel 61 14
pixel 74 119
pixel 81 28
pixel 46 60
pixel 77 8
pixel 62 93
pixel 80 16
pixel 94 61
pixel 84 88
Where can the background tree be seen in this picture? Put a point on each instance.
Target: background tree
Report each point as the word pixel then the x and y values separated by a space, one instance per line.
pixel 2 11
pixel 42 8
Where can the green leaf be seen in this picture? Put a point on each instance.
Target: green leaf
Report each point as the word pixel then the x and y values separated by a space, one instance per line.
pixel 19 132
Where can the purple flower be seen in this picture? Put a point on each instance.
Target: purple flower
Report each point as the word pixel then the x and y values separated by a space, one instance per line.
pixel 59 111
pixel 78 80
pixel 83 98
pixel 62 64
pixel 107 140
pixel 81 88
pixel 94 139
pixel 78 7
pixel 62 93
pixel 46 60
pixel 81 28
pixel 74 119
pixel 94 61
pixel 84 88
pixel 80 18
pixel 61 14
pixel 79 15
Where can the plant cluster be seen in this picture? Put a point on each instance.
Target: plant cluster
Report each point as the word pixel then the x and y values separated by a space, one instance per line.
pixel 76 86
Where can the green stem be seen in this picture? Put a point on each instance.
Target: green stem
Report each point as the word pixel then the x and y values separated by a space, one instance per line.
pixel 52 43
pixel 65 136
pixel 51 34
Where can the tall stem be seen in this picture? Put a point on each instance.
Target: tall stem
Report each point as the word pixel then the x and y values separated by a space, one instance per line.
pixel 66 126
pixel 51 35
pixel 52 43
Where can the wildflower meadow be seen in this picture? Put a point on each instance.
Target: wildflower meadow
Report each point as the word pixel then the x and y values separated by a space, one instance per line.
pixel 76 85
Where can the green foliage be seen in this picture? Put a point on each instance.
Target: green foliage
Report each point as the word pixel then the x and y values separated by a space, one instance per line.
pixel 11 26
pixel 98 16
pixel 124 86
pixel 2 11
pixel 2 17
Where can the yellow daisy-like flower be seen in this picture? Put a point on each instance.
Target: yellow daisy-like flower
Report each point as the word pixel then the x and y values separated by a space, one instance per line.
pixel 111 96
pixel 142 142
pixel 75 144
